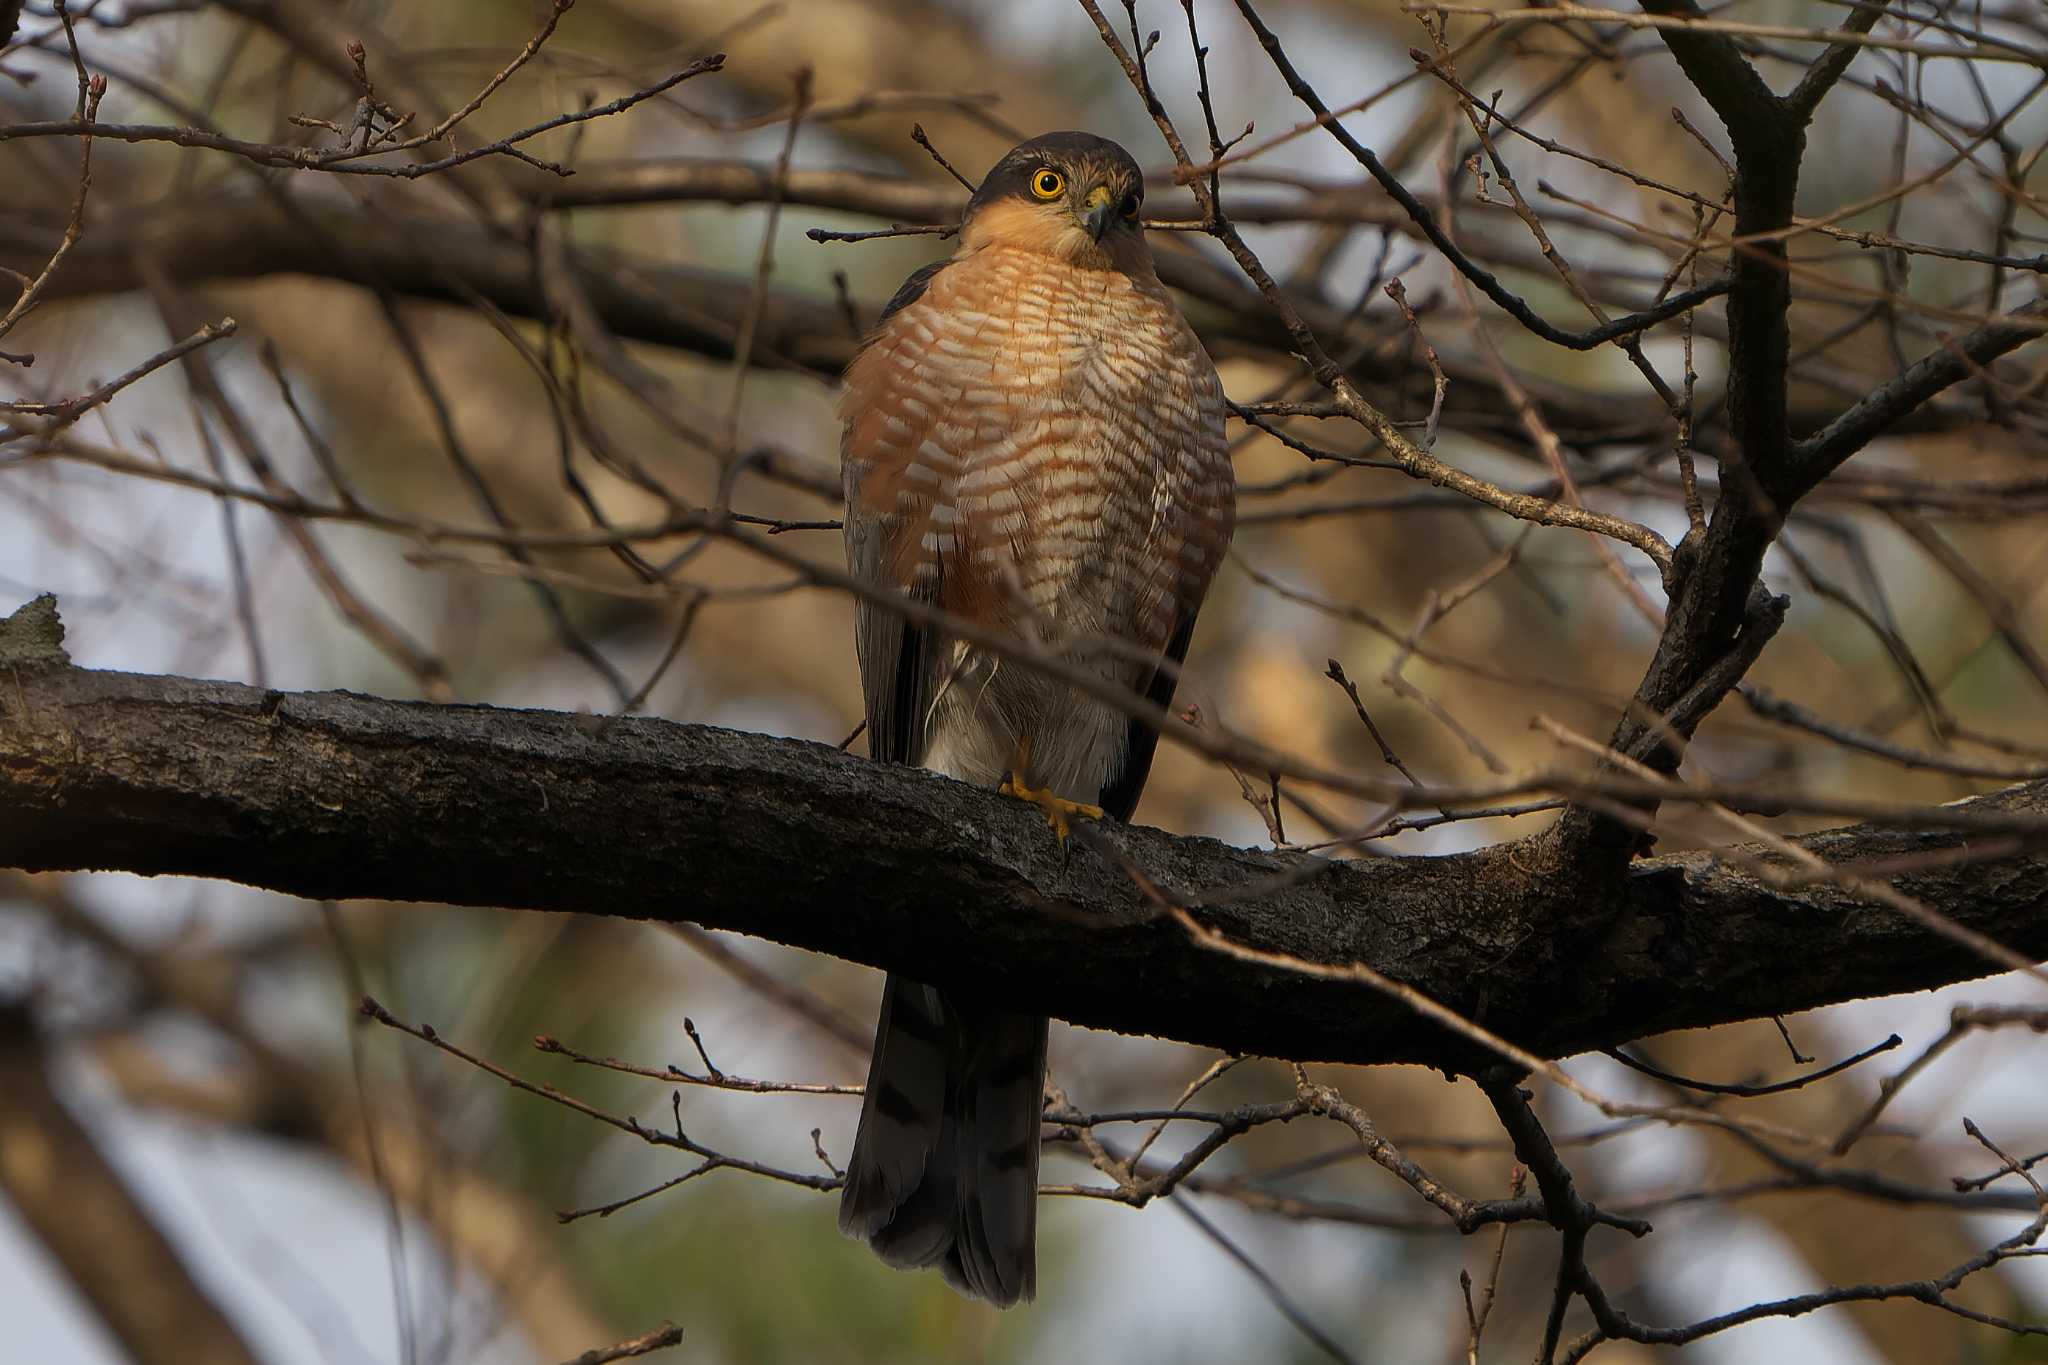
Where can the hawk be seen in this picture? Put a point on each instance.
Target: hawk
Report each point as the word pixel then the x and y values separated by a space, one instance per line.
pixel 1033 441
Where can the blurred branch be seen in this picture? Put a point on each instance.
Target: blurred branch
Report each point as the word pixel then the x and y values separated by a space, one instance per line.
pixel 446 259
pixel 1955 359
pixel 336 796
pixel 85 1214
pixel 489 1226
pixel 342 160
pixel 647 1343
pixel 452 260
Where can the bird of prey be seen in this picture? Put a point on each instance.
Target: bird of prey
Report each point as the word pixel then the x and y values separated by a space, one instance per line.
pixel 1033 443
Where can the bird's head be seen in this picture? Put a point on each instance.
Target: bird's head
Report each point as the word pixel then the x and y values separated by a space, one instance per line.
pixel 1071 195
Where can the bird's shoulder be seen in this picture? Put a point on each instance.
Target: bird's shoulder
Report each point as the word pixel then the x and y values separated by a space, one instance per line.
pixel 912 289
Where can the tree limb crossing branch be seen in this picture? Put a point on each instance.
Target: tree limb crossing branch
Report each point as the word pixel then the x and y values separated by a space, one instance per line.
pixel 340 796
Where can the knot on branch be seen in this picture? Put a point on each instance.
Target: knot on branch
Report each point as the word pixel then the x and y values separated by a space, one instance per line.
pixel 34 636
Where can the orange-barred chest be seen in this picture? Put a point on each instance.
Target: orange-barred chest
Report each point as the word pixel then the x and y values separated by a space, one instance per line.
pixel 1047 444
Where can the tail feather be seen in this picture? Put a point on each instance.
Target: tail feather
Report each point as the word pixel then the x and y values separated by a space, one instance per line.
pixel 888 1201
pixel 1001 1101
pixel 945 1166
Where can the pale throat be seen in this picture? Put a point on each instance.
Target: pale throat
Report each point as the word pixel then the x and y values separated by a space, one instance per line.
pixel 1051 230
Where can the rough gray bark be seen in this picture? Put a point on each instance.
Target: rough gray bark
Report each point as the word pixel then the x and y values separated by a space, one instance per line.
pixel 340 796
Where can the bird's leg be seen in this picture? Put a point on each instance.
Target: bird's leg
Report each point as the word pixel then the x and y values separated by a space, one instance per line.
pixel 1060 813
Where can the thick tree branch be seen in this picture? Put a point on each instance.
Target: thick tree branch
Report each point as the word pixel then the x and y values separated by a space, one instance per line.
pixel 341 796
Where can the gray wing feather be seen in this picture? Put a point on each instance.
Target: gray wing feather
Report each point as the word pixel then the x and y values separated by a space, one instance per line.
pixel 911 290
pixel 897 660
pixel 1120 794
pixel 898 665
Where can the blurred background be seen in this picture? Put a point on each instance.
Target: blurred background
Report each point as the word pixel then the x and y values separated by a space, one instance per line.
pixel 500 345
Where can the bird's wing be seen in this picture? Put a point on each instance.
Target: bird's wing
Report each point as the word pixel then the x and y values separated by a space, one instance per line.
pixel 886 517
pixel 910 291
pixel 1194 501
pixel 1120 794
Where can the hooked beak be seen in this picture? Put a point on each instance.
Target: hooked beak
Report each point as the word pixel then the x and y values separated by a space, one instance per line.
pixel 1098 211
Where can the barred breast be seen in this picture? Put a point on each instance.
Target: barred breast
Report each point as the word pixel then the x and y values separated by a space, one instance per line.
pixel 1043 448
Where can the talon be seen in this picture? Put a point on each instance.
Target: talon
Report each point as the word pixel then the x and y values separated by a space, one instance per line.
pixel 1060 813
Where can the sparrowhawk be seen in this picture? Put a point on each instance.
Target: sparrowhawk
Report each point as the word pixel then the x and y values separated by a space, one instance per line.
pixel 1033 442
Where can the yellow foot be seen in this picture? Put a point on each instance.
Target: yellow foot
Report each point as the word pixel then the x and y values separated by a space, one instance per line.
pixel 1060 813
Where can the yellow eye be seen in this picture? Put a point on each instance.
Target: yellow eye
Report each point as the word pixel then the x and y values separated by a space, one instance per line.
pixel 1048 184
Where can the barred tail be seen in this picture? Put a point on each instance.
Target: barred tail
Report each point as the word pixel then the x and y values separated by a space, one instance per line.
pixel 945 1166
